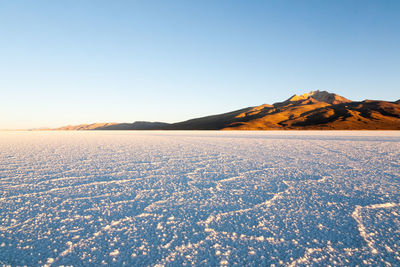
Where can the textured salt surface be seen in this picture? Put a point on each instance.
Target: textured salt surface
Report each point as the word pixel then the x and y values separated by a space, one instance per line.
pixel 203 198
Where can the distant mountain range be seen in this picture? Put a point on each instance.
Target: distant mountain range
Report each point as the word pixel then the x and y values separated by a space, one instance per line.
pixel 317 110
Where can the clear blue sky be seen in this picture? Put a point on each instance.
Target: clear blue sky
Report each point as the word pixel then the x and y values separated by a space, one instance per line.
pixel 71 62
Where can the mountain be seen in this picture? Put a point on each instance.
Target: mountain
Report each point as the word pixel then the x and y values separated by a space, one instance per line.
pixel 314 97
pixel 93 126
pixel 316 110
pixel 138 125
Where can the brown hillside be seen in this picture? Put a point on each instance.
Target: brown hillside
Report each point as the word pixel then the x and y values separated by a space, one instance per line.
pixel 366 115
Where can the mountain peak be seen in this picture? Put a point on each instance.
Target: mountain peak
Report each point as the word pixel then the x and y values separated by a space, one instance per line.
pixel 304 96
pixel 320 96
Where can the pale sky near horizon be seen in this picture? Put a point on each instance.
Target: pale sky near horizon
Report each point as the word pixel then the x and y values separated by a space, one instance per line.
pixel 73 62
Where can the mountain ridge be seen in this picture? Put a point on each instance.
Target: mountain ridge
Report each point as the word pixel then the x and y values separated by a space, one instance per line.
pixel 316 110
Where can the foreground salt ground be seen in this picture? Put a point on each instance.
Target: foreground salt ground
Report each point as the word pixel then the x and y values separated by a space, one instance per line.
pixel 203 198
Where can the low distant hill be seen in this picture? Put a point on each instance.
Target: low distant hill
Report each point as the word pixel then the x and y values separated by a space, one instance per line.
pixel 92 126
pixel 138 125
pixel 317 110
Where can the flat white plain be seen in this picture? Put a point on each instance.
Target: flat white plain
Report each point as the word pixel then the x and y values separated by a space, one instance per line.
pixel 202 198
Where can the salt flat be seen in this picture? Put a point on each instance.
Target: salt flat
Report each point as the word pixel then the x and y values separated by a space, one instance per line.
pixel 202 198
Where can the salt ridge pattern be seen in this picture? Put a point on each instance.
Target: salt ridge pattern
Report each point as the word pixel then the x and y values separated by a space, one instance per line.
pixel 199 198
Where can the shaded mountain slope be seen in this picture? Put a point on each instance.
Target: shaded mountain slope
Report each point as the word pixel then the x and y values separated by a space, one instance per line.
pixel 214 122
